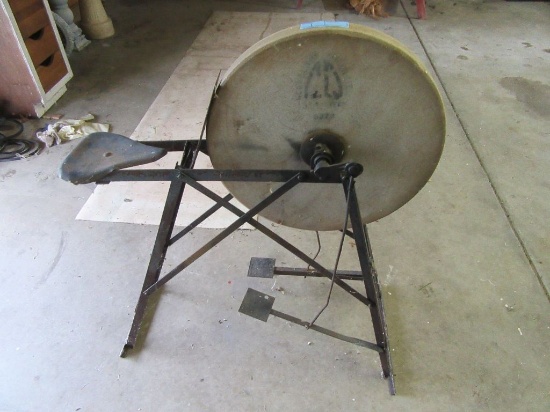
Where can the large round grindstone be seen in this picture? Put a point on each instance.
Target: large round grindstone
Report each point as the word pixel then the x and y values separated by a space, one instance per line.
pixel 351 81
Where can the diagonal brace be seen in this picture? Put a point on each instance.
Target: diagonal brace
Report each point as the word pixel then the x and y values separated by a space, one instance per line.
pixel 272 235
pixel 226 232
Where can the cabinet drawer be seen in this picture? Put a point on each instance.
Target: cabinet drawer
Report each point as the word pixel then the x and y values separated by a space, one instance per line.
pixel 51 70
pixel 30 16
pixel 41 45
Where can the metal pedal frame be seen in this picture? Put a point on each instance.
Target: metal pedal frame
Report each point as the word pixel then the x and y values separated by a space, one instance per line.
pixel 184 174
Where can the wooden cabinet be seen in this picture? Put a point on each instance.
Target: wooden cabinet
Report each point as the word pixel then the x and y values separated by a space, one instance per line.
pixel 33 66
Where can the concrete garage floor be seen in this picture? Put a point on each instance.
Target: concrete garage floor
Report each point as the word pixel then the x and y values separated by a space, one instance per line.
pixel 464 266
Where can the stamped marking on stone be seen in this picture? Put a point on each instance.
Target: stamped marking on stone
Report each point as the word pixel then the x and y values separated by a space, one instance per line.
pixel 323 81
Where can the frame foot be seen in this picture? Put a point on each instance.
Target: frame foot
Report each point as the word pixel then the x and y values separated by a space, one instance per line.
pixel 125 349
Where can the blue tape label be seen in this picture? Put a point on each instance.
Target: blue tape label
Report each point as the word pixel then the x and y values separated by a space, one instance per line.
pixel 318 24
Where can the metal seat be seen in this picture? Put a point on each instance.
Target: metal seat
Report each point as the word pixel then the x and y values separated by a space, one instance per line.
pixel 99 154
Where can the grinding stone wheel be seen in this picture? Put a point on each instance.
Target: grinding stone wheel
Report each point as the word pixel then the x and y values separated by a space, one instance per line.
pixel 352 81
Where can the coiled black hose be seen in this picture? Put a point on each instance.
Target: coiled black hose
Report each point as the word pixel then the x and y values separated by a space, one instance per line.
pixel 12 148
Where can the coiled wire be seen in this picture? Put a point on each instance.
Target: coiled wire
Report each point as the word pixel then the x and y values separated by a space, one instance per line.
pixel 12 148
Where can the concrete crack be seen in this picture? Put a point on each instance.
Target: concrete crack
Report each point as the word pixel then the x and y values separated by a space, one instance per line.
pixel 478 156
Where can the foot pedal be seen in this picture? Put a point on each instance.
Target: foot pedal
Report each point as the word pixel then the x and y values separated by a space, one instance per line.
pixel 257 305
pixel 261 267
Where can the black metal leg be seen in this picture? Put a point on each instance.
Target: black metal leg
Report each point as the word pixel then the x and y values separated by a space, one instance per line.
pixel 372 285
pixel 157 258
pixel 166 226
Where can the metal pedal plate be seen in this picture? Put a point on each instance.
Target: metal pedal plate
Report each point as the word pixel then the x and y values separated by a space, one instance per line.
pixel 257 304
pixel 261 267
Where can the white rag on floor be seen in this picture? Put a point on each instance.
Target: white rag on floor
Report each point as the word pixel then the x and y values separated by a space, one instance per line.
pixel 69 129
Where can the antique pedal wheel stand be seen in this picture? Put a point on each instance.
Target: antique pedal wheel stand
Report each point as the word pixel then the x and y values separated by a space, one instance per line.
pixel 323 126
